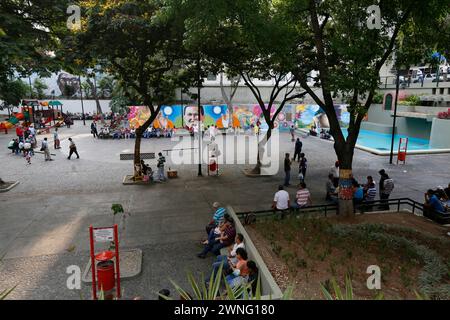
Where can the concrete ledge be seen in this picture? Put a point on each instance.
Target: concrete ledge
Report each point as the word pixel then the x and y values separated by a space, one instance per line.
pixel 10 187
pixel 270 289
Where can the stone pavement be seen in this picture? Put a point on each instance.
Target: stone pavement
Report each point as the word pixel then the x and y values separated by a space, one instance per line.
pixel 54 204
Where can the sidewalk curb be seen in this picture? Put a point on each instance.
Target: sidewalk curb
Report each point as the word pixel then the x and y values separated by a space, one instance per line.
pixel 10 187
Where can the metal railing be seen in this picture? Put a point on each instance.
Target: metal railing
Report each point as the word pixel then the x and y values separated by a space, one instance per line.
pixel 406 82
pixel 326 209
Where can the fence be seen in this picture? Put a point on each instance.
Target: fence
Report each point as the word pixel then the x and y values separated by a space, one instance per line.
pixel 401 204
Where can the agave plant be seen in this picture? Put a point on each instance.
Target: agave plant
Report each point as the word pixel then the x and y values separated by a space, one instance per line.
pixel 338 294
pixel 211 290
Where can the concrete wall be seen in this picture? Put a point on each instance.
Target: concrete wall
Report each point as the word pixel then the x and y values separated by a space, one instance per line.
pixel 269 287
pixel 74 106
pixel 440 134
pixel 416 128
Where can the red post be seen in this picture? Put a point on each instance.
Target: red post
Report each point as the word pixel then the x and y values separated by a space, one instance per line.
pixel 116 242
pixel 94 288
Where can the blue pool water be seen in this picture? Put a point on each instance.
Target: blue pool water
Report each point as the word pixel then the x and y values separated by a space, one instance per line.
pixel 382 141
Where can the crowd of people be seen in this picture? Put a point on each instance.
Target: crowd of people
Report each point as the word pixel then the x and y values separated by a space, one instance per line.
pixel 237 268
pixel 363 194
pixel 26 143
pixel 108 132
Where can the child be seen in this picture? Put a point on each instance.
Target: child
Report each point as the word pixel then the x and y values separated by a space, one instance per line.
pixel 28 157
pixel 302 167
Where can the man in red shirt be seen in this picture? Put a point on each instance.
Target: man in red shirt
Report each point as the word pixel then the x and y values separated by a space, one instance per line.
pixel 19 133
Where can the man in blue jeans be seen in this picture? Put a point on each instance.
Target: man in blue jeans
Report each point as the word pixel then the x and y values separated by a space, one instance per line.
pixel 217 241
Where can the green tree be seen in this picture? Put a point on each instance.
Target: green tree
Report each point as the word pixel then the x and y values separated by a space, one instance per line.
pixel 39 88
pixel 249 39
pixel 12 92
pixel 349 55
pixel 28 33
pixel 137 42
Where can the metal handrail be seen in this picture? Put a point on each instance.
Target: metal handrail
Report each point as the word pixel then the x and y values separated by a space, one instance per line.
pixel 325 208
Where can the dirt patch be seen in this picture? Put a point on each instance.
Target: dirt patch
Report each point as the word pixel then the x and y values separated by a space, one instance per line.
pixel 309 252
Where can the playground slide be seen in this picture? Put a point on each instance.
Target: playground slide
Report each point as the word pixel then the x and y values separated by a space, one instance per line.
pixel 13 120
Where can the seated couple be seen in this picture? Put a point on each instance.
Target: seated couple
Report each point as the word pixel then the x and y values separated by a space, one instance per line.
pixel 221 233
pixel 433 202
pixel 236 266
pixel 302 198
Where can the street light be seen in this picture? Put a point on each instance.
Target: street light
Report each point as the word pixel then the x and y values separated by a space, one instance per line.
pixel 397 89
pixel 199 118
pixel 82 104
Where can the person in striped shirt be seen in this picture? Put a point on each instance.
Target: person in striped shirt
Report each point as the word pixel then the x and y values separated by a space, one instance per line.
pixel 371 192
pixel 303 197
pixel 217 217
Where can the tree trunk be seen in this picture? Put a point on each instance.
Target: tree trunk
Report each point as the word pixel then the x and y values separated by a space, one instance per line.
pixel 97 102
pixel 137 144
pixel 346 208
pixel 137 154
pixel 261 147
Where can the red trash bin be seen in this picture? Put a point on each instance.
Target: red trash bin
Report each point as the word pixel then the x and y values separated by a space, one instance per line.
pixel 402 156
pixel 105 275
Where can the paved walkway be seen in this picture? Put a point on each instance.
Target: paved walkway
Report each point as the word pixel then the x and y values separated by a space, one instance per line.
pixel 55 202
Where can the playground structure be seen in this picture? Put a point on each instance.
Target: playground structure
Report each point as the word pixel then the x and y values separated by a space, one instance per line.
pixel 39 113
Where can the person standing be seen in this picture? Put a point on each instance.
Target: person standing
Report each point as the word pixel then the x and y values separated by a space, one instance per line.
pixel 56 139
pixel 94 129
pixel 287 170
pixel 44 148
pixel 302 166
pixel 298 149
pixel 335 172
pixel 386 188
pixel 160 166
pixel 292 131
pixel 32 130
pixel 73 149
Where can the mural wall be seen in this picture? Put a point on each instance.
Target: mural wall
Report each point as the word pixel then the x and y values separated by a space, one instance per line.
pixel 244 116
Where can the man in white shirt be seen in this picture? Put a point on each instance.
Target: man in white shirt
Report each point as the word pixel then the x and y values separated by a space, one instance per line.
pixel 46 150
pixel 32 130
pixel 281 199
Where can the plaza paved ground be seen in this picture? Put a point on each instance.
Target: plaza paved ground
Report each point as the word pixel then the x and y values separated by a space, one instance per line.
pixel 50 210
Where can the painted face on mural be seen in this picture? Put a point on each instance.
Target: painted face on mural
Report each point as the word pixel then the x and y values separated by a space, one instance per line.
pixel 190 116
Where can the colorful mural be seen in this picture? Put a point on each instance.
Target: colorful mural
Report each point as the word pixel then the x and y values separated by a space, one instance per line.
pixel 308 115
pixel 244 116
pixel 137 116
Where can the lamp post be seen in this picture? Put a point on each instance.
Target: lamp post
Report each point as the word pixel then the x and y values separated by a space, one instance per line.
pixel 397 88
pixel 82 104
pixel 199 119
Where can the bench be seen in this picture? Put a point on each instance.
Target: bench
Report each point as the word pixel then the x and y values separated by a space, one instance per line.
pixel 144 156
